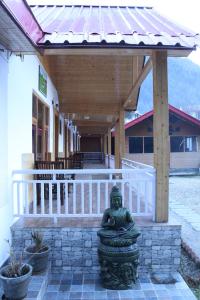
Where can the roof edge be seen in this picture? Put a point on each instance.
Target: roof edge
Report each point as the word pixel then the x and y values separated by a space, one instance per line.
pixel 22 15
pixel 171 109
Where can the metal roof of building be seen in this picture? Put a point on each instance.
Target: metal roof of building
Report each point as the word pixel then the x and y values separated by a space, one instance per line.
pixel 172 109
pixel 125 25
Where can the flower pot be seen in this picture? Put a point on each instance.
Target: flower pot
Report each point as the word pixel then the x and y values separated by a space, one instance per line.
pixel 38 260
pixel 16 288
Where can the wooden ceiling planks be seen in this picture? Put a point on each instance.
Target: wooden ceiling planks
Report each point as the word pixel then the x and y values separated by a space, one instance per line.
pixel 97 86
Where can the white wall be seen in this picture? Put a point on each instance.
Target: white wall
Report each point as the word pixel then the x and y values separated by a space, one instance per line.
pixel 18 80
pixel 23 80
pixel 5 209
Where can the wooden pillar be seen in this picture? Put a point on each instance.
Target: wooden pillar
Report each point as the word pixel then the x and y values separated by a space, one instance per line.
pixel 122 134
pixel 109 146
pixel 117 163
pixel 105 144
pixel 109 141
pixel 161 134
pixel 119 140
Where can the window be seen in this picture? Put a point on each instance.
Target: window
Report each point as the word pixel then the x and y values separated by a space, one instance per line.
pixel 40 128
pixel 135 144
pixel 177 143
pixel 190 144
pixel 183 143
pixel 148 144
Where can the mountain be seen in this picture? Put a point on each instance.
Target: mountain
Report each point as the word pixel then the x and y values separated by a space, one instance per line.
pixel 183 85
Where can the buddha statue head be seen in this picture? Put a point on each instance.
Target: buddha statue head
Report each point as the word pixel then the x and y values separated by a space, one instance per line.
pixel 115 198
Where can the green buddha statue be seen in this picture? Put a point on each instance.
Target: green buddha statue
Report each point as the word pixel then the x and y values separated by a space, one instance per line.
pixel 118 224
pixel 118 252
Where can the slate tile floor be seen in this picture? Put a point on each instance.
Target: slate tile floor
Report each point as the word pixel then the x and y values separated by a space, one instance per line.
pixel 87 287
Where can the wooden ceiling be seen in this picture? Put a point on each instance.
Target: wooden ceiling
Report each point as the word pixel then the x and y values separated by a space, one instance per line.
pixel 94 88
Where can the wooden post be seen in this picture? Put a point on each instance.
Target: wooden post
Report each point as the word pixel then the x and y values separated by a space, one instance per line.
pixel 161 134
pixel 119 140
pixel 117 164
pixel 109 146
pixel 105 144
pixel 121 135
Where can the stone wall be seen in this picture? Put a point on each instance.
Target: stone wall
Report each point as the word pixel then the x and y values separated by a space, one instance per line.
pixel 75 249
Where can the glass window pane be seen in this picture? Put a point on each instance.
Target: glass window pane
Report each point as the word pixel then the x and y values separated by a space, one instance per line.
pixel 34 139
pixel 34 107
pixel 190 144
pixel 148 144
pixel 40 114
pixel 135 145
pixel 177 143
pixel 46 116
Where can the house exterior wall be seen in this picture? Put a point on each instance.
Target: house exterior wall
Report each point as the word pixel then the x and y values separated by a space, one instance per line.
pixel 18 81
pixel 178 160
pixel 5 206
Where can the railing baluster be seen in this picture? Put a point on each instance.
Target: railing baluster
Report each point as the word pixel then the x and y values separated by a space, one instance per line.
pixel 74 197
pixel 58 197
pixel 106 195
pixel 34 198
pixel 98 197
pixel 18 199
pixel 26 198
pixel 66 198
pixel 82 198
pixel 42 198
pixel 90 197
pixel 50 199
pixel 122 191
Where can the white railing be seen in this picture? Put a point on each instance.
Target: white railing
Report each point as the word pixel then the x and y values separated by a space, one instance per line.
pixel 143 183
pixel 58 195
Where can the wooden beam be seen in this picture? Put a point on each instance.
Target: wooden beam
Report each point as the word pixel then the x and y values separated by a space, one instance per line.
pixel 98 51
pixel 114 52
pixel 90 109
pixel 85 123
pixel 161 134
pixel 145 71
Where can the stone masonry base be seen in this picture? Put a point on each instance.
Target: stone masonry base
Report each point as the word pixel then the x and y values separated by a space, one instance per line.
pixel 75 249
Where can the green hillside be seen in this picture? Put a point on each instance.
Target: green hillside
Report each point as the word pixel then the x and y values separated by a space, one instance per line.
pixel 184 85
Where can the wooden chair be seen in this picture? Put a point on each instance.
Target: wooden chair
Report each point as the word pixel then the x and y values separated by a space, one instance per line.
pixel 49 165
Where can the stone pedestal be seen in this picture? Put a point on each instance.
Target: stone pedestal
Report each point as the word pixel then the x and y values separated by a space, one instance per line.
pixel 118 266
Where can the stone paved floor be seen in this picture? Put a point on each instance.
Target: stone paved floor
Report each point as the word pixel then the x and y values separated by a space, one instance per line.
pixel 184 209
pixel 87 287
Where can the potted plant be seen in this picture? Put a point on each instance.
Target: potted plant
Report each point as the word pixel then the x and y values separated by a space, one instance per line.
pixel 15 277
pixel 38 253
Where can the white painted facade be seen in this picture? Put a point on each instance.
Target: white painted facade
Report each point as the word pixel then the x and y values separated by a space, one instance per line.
pixel 18 81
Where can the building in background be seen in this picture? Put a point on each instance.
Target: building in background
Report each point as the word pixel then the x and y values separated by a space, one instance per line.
pixel 184 131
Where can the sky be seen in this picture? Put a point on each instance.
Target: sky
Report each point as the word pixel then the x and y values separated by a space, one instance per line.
pixel 185 12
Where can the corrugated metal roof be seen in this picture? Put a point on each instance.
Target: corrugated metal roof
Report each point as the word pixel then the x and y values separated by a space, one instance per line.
pixel 172 109
pixel 135 26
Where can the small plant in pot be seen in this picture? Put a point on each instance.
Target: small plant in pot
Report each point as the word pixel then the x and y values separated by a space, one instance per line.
pixel 38 253
pixel 15 277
